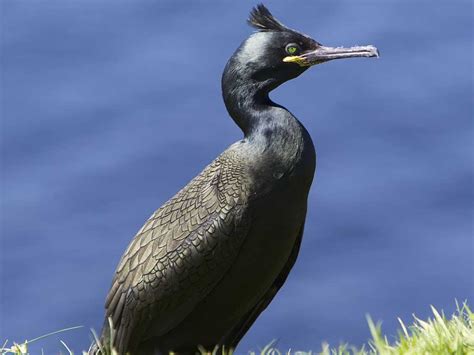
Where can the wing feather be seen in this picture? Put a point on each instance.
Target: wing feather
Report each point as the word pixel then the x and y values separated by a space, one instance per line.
pixel 235 335
pixel 179 254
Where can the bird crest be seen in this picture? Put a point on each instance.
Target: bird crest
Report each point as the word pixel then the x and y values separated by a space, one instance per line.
pixel 262 19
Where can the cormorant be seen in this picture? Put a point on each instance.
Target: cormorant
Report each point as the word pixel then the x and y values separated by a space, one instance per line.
pixel 211 259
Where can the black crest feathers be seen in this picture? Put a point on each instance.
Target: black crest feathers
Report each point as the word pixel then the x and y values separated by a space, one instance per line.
pixel 262 19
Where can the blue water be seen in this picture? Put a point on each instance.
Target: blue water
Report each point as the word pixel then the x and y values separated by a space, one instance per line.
pixel 109 107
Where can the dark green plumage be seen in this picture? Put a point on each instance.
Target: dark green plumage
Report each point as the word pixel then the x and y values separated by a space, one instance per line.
pixel 211 259
pixel 262 19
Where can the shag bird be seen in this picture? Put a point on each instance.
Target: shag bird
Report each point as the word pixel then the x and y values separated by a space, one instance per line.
pixel 211 259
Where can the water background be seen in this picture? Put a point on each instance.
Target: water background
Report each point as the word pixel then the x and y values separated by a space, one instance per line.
pixel 110 107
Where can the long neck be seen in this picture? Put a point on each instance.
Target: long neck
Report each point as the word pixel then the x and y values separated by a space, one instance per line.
pixel 276 142
pixel 247 102
pixel 276 139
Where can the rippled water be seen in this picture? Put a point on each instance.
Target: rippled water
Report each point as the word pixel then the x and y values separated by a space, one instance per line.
pixel 110 107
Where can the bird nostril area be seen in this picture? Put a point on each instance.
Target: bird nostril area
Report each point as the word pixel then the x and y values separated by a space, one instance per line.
pixel 278 175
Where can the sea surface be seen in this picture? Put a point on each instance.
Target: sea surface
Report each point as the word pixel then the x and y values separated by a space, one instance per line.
pixel 110 107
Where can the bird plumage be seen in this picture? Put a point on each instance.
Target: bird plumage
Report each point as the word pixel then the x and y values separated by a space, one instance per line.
pixel 193 241
pixel 211 259
pixel 263 20
pixel 180 253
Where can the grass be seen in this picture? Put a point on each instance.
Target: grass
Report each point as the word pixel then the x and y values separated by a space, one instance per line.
pixel 436 335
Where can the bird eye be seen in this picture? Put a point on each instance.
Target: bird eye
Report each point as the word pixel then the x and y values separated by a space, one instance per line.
pixel 292 48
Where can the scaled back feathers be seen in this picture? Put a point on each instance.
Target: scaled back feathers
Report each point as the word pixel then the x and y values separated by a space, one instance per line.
pixel 262 19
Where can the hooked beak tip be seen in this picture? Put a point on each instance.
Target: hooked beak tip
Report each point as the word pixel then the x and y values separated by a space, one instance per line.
pixel 374 52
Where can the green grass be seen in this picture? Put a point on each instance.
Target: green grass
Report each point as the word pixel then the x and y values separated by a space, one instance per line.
pixel 436 335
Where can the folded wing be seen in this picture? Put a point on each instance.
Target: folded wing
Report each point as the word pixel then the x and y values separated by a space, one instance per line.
pixel 180 254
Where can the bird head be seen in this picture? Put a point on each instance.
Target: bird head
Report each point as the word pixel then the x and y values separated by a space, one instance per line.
pixel 276 53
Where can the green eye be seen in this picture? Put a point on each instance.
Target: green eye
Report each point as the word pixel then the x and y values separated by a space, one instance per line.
pixel 292 48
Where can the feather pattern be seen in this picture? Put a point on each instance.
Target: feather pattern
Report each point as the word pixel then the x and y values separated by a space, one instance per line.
pixel 180 253
pixel 262 19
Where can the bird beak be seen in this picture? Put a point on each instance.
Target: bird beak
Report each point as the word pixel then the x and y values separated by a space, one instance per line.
pixel 323 54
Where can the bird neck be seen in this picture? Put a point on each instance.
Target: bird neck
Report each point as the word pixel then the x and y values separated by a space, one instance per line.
pixel 252 110
pixel 277 139
pixel 278 143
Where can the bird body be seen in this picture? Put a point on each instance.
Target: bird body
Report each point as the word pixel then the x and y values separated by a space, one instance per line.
pixel 274 218
pixel 211 259
pixel 250 205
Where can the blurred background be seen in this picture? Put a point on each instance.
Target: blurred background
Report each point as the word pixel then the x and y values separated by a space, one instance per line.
pixel 110 107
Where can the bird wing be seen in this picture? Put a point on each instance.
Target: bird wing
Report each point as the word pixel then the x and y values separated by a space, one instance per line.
pixel 180 253
pixel 235 335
